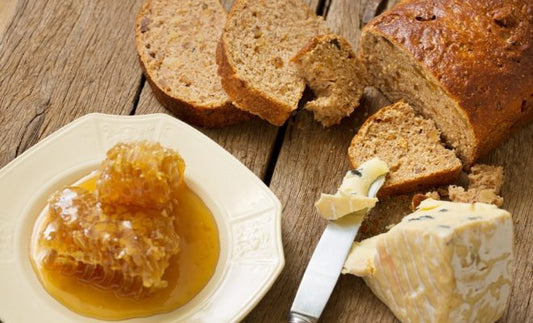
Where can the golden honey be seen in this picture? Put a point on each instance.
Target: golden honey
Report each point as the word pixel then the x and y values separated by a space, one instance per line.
pixel 156 270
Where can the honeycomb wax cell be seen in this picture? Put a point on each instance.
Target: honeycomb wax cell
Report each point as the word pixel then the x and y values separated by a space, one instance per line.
pixel 141 174
pixel 130 248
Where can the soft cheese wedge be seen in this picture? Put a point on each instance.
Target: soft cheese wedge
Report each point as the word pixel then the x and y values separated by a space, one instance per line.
pixel 352 195
pixel 446 262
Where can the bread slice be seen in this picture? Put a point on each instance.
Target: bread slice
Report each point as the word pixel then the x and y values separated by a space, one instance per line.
pixel 258 41
pixel 335 74
pixel 411 147
pixel 485 183
pixel 176 41
pixel 468 65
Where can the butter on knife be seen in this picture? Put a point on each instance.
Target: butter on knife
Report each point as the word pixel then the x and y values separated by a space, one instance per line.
pixel 358 189
pixel 352 195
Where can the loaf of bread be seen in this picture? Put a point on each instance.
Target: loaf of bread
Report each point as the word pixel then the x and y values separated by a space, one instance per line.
pixel 176 41
pixel 335 75
pixel 411 147
pixel 468 65
pixel 258 40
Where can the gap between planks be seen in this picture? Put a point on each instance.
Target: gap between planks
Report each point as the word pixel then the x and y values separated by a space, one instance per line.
pixel 321 9
pixel 137 96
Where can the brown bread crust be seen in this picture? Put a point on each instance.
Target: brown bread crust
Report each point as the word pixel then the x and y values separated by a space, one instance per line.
pixel 245 92
pixel 437 178
pixel 479 51
pixel 210 116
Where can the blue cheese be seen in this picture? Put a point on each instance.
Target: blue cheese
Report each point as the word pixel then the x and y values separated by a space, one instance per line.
pixel 446 262
pixel 352 195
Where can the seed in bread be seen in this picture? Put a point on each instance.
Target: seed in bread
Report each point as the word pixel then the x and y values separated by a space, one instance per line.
pixel 176 42
pixel 258 40
pixel 410 145
pixel 334 73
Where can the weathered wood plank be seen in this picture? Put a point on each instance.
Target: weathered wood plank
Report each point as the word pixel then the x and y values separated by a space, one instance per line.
pixel 313 160
pixel 7 10
pixel 344 18
pixel 61 60
pixel 516 157
pixel 251 142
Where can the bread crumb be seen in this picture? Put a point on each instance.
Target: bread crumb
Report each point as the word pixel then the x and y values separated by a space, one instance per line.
pixel 485 184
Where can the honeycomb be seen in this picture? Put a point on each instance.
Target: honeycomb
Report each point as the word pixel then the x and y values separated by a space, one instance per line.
pixel 141 174
pixel 121 236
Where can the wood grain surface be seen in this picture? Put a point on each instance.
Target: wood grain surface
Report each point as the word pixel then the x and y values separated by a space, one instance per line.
pixel 251 142
pixel 7 10
pixel 63 59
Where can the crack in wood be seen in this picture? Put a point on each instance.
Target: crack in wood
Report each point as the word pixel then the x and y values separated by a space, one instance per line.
pixel 323 8
pixel 307 96
pixel 274 153
pixel 137 96
pixel 31 132
pixel 327 5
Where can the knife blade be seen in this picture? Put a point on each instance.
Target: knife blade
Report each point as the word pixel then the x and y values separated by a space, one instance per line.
pixel 326 263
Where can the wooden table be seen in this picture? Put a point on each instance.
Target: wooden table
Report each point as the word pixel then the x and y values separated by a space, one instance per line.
pixel 60 60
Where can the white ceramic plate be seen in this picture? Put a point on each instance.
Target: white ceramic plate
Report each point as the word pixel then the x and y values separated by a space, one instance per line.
pixel 247 213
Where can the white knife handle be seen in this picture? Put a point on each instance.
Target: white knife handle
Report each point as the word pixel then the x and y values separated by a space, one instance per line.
pixel 300 318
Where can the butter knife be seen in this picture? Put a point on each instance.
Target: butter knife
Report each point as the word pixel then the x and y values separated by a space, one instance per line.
pixel 326 264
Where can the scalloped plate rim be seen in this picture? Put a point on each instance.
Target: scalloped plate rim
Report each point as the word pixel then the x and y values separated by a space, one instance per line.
pixel 160 118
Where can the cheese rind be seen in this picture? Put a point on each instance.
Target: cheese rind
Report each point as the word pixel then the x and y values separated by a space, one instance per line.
pixel 446 262
pixel 352 195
